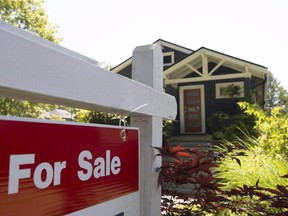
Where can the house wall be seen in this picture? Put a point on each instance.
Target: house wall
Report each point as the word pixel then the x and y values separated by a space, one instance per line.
pixel 226 105
pixel 212 104
pixel 253 87
pixel 127 71
pixel 176 123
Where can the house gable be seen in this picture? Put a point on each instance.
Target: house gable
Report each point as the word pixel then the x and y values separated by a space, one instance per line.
pixel 205 64
pixel 170 51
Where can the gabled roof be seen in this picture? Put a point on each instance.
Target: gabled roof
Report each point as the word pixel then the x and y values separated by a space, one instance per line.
pixel 194 60
pixel 174 46
pixel 163 43
pixel 217 53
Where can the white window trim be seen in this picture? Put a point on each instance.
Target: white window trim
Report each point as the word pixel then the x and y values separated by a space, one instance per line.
pixel 181 92
pixel 172 58
pixel 226 84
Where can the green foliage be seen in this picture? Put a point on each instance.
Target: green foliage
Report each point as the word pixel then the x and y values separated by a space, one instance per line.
pixel 167 130
pixel 244 163
pixel 250 164
pixel 232 90
pixel 29 15
pixel 248 176
pixel 183 166
pixel 206 194
pixel 226 127
pixel 13 107
pixel 272 128
pixel 277 95
pixel 97 117
pixel 19 108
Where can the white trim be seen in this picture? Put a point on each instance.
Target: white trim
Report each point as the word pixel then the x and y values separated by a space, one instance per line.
pixel 218 87
pixel 199 79
pixel 172 58
pixel 254 70
pixel 181 97
pixel 174 46
pixel 216 67
pixel 122 65
pixel 235 61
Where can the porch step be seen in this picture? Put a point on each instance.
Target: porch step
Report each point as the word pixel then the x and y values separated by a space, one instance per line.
pixel 202 142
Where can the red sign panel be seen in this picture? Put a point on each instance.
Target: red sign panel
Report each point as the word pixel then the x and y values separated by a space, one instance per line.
pixel 57 168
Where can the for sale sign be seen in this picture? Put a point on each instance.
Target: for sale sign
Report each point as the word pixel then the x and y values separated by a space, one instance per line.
pixel 59 168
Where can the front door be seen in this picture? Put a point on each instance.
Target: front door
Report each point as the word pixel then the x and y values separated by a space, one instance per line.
pixel 192 118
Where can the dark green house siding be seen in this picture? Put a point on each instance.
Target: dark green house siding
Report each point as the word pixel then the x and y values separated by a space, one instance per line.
pixel 212 104
pixel 254 87
pixel 127 71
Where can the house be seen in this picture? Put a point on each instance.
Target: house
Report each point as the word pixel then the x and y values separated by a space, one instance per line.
pixel 205 81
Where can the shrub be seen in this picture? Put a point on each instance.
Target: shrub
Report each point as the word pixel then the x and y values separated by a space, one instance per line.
pixel 97 117
pixel 245 162
pixel 190 167
pixel 226 127
pixel 167 130
pixel 205 196
pixel 272 128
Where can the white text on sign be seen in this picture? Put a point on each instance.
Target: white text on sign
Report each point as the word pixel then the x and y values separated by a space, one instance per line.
pixel 99 167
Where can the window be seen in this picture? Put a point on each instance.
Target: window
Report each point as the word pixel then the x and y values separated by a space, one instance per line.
pixel 229 90
pixel 168 58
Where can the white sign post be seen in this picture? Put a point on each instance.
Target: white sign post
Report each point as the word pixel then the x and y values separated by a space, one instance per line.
pixel 147 68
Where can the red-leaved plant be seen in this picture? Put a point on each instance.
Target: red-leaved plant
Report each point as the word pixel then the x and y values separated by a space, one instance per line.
pixel 189 188
pixel 193 169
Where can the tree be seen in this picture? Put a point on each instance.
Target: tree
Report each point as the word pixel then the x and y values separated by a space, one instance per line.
pixel 31 16
pixel 277 94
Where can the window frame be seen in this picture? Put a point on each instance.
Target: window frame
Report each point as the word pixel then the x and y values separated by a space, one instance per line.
pixel 219 86
pixel 172 58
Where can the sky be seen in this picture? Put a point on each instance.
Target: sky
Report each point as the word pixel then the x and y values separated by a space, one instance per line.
pixel 109 30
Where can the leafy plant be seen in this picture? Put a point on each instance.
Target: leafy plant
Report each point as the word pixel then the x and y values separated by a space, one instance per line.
pixel 29 15
pixel 277 95
pixel 167 130
pixel 252 164
pixel 272 128
pixel 232 91
pixel 205 194
pixel 226 127
pixel 190 167
pixel 97 117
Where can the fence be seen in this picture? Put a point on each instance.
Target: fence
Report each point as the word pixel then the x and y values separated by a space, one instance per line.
pixel 37 70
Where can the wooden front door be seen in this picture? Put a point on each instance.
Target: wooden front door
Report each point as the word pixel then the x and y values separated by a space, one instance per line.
pixel 193 110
